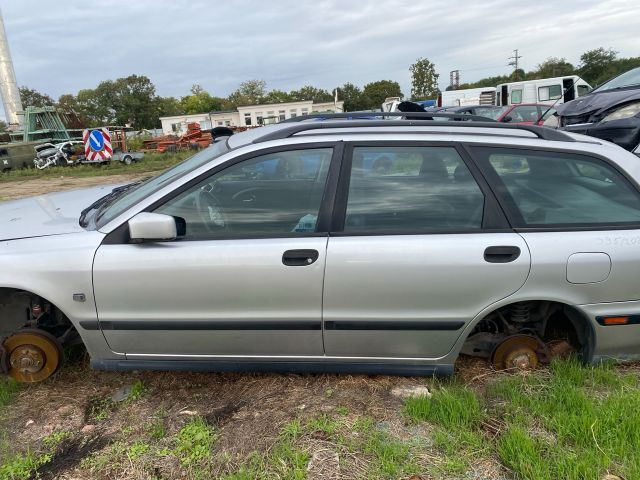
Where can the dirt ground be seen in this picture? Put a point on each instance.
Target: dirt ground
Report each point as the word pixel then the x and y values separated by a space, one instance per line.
pixel 39 186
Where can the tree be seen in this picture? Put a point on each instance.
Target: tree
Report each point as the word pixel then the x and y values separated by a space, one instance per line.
pixel 374 93
pixel 169 107
pixel 277 96
pixel 424 80
pixel 201 102
pixel 314 94
pixel 552 67
pixel 352 97
pixel 597 66
pixel 250 92
pixel 32 98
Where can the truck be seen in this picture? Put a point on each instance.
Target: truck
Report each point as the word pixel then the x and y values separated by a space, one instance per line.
pixel 14 156
pixel 467 96
pixel 548 91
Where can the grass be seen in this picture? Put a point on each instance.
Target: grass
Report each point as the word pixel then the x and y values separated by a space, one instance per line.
pixel 8 388
pixel 194 442
pixel 570 421
pixel 151 162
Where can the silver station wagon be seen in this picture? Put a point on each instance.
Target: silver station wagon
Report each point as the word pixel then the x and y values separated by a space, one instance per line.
pixel 335 245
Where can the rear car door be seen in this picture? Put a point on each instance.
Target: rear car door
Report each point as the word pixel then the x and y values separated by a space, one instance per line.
pixel 418 248
pixel 246 276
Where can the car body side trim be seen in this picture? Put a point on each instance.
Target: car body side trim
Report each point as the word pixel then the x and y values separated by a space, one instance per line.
pixel 391 325
pixel 210 325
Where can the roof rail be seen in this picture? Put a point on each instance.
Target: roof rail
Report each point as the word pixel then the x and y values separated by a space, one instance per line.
pixel 543 133
pixel 395 115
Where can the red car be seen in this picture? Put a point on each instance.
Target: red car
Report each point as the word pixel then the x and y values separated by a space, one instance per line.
pixel 525 113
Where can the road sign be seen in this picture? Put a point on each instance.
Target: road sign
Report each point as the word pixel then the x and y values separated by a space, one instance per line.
pixel 97 144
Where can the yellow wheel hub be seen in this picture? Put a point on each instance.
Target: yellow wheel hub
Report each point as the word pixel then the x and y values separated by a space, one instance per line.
pixel 33 355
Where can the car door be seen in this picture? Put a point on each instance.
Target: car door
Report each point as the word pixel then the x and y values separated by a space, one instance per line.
pixel 245 278
pixel 418 249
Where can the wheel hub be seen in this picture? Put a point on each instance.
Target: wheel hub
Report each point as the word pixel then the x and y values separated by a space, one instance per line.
pixel 27 359
pixel 520 352
pixel 33 355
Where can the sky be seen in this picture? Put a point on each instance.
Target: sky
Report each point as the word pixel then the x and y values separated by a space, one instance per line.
pixel 67 45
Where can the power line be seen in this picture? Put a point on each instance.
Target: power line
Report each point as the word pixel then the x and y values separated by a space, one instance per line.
pixel 514 62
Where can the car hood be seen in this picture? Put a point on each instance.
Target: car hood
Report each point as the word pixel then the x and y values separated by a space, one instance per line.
pixel 597 102
pixel 51 214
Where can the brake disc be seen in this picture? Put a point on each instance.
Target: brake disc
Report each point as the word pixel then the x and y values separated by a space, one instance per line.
pixel 32 355
pixel 521 352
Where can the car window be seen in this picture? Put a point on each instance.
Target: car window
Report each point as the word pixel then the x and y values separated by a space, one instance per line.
pixel 407 189
pixel 524 113
pixel 549 92
pixel 558 189
pixel 516 96
pixel 548 112
pixel 583 90
pixel 277 194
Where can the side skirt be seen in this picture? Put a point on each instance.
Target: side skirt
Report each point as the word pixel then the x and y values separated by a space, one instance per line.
pixel 370 368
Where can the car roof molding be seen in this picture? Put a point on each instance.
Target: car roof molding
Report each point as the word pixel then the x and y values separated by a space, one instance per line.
pixel 288 131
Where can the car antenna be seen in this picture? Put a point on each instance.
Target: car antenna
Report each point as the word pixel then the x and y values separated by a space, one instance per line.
pixel 573 82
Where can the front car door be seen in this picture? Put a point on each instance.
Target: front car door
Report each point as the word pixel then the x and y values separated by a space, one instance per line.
pixel 245 278
pixel 419 247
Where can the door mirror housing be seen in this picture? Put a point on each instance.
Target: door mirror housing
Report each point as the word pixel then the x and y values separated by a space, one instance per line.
pixel 507 119
pixel 152 227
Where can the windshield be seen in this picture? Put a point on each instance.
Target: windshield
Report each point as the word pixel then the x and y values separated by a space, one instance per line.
pixel 491 112
pixel 134 195
pixel 627 79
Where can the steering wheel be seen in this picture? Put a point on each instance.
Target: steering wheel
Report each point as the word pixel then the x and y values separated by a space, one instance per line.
pixel 209 209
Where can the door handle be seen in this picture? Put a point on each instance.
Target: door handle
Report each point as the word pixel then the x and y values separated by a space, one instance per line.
pixel 501 254
pixel 299 258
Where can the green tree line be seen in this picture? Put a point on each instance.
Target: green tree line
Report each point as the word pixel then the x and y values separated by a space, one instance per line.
pixel 133 99
pixel 596 67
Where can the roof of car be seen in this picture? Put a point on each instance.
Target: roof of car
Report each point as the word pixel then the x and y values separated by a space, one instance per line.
pixel 393 122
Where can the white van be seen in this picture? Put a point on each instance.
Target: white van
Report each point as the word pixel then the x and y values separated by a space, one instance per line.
pixel 543 90
pixel 467 96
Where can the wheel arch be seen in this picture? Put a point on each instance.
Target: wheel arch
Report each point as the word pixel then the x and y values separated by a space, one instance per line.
pixel 582 324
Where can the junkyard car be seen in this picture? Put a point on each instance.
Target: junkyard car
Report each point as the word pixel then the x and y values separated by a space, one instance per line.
pixel 610 112
pixel 359 246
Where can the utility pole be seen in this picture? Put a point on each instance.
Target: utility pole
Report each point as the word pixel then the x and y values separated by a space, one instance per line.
pixel 514 62
pixel 454 79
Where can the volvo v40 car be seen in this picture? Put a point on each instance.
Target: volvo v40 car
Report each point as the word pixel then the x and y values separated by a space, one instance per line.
pixel 379 246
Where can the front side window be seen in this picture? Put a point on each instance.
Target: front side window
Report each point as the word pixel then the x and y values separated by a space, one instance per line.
pixel 583 90
pixel 556 189
pixel 273 194
pixel 399 189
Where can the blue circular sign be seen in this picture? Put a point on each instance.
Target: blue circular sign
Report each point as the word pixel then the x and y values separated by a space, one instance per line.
pixel 96 140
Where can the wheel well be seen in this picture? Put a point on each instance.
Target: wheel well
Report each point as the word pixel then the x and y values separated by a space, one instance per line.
pixel 25 309
pixel 548 321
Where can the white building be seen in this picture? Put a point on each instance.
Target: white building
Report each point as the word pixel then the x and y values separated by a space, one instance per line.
pixel 250 116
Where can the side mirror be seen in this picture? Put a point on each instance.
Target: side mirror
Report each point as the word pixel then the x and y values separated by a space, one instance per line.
pixel 507 119
pixel 152 227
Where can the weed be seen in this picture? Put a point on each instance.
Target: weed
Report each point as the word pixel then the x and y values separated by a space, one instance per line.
pixel 344 411
pixel 137 449
pixel 156 429
pixel 21 466
pixel 52 441
pixel 137 391
pixel 194 441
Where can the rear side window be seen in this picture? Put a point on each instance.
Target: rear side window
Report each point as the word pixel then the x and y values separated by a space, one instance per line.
pixel 552 189
pixel 399 189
